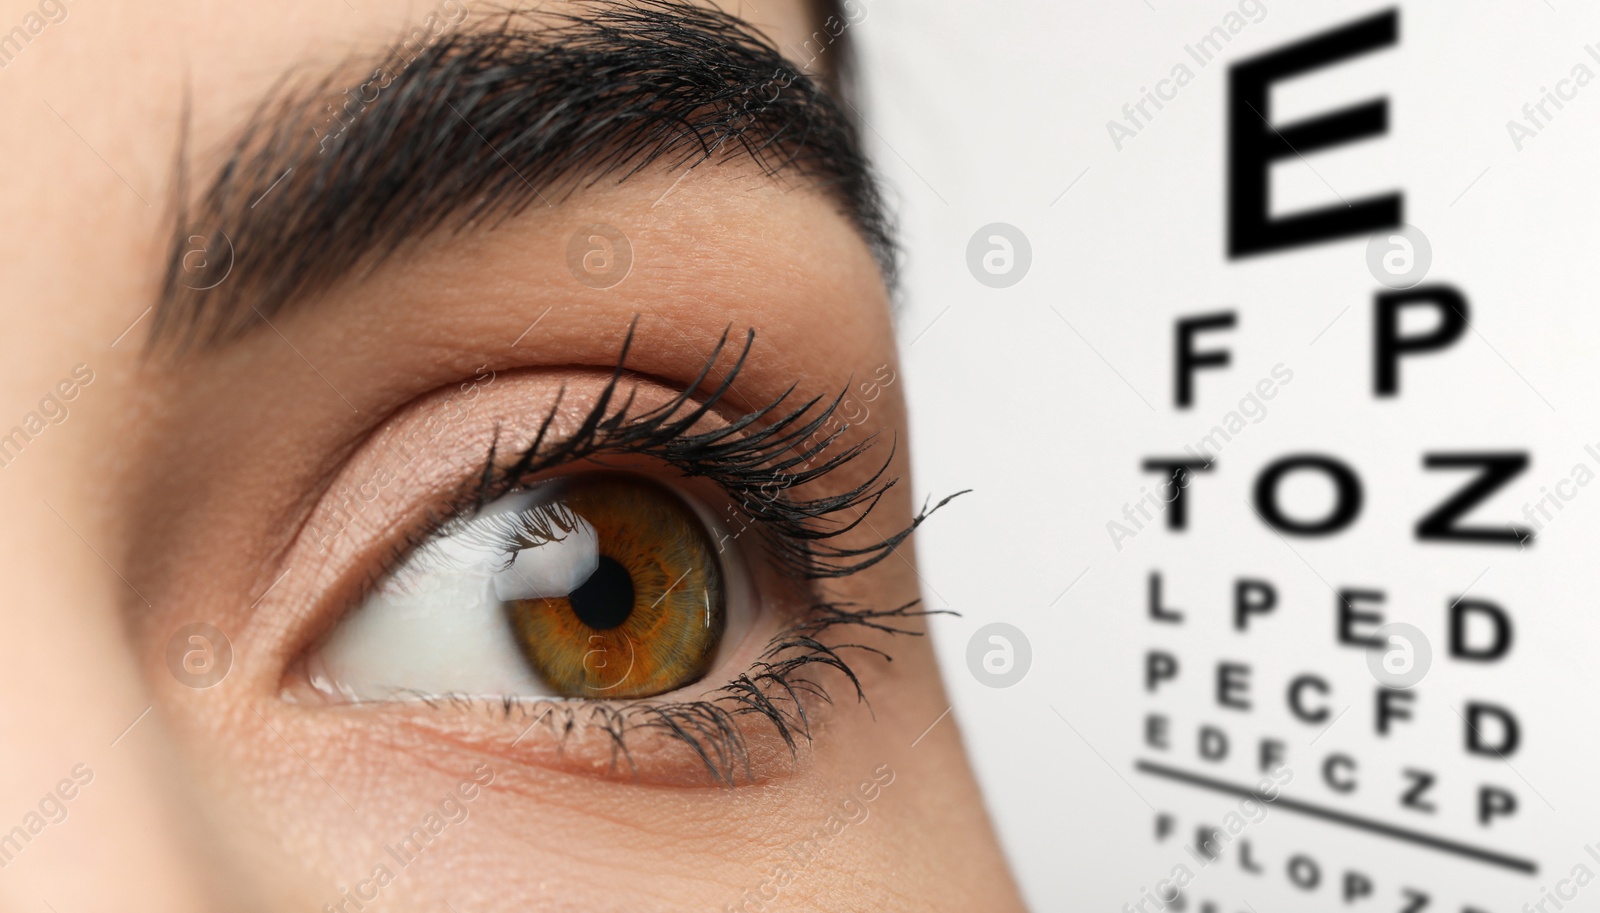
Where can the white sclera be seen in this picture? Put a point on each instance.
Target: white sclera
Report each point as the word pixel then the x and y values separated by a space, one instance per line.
pixel 446 638
pixel 437 626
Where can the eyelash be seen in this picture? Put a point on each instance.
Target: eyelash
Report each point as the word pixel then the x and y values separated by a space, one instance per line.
pixel 749 461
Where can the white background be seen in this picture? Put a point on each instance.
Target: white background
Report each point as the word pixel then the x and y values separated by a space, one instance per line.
pixel 1045 397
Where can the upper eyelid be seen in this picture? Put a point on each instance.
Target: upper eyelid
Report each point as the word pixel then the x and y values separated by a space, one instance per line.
pixel 682 411
pixel 743 457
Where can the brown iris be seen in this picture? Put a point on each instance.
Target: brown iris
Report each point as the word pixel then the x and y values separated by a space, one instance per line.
pixel 647 618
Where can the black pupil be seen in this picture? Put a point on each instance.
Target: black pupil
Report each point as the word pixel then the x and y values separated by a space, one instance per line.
pixel 605 600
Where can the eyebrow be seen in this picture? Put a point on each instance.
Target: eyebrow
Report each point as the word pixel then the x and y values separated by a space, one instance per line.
pixel 464 126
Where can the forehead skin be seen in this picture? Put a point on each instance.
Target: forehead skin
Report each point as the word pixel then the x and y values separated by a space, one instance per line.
pixel 160 499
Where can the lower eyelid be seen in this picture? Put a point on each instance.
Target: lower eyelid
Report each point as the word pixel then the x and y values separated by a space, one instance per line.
pixel 704 735
pixel 693 738
pixel 630 745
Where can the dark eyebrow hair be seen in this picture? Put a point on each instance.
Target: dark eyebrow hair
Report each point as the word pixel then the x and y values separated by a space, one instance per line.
pixel 475 126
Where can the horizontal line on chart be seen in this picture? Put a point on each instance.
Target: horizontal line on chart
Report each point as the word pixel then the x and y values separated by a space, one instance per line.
pixel 1478 854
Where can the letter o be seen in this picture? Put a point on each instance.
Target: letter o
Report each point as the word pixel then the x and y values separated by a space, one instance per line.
pixel 1347 495
pixel 1304 873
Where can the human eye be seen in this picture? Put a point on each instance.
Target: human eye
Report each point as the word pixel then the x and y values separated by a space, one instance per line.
pixel 657 574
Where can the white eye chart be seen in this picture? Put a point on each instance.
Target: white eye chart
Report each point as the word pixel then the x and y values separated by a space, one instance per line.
pixel 1266 335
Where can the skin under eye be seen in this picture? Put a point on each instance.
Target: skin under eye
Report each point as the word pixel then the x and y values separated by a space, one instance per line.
pixel 594 585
